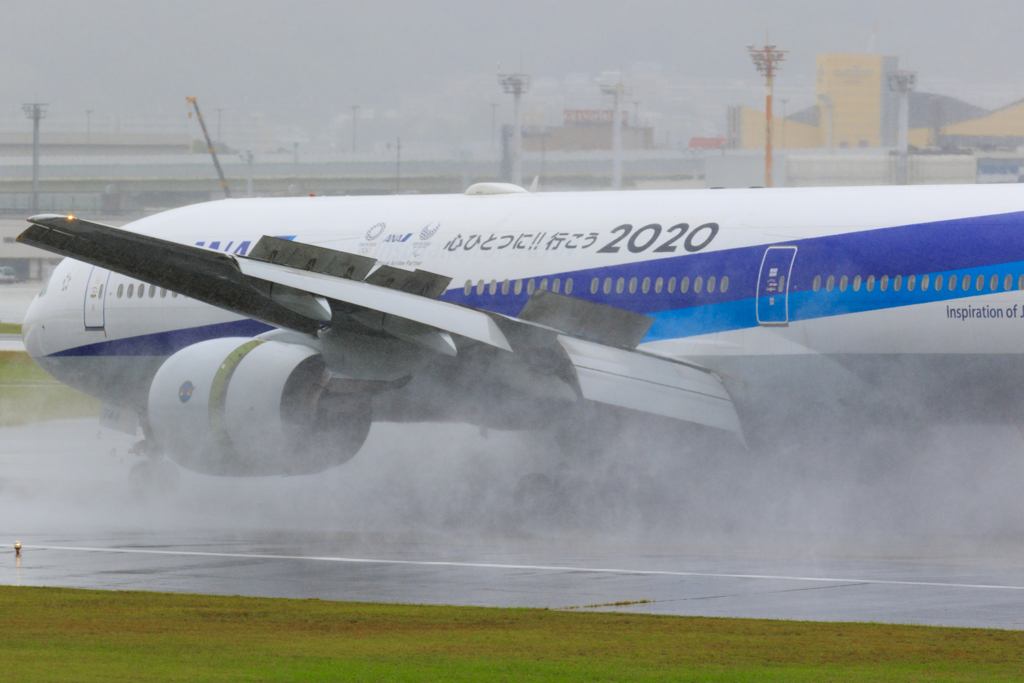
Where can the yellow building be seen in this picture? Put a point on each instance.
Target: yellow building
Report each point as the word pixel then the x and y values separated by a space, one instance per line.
pixel 864 109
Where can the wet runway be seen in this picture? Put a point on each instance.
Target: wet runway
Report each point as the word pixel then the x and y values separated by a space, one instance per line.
pixel 448 531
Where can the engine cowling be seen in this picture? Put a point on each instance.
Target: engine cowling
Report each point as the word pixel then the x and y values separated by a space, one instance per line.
pixel 247 407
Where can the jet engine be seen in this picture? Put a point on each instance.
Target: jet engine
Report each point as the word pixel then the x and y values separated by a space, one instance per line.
pixel 245 407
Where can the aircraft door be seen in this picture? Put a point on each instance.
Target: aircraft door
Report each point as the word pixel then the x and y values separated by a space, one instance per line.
pixel 95 298
pixel 773 286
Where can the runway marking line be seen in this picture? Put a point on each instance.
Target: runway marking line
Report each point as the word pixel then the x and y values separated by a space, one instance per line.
pixel 524 567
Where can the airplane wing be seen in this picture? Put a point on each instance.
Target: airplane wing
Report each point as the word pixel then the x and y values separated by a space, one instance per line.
pixel 301 287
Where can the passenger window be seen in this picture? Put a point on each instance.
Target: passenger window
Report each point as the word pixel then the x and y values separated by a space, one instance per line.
pixel 1020 282
pixel 519 287
pixel 856 283
pixel 924 283
pixel 967 282
pixel 657 286
pixel 711 284
pixel 607 285
pixel 884 284
pixel 568 286
pixel 830 283
pixel 493 289
pixel 479 287
pixel 152 291
pixel 544 283
pixel 897 283
pixel 620 285
pixel 120 291
pixel 843 281
pixel 504 287
pixel 816 285
pixel 952 282
pixel 174 295
pixel 632 285
pixel 672 285
pixel 911 281
pixel 530 287
pixel 870 283
pixel 993 283
pixel 724 287
pixel 684 285
pixel 163 293
pixel 938 282
pixel 646 286
pixel 698 284
pixel 979 284
pixel 100 294
pixel 556 286
pixel 1008 282
pixel 466 289
pixel 131 290
pixel 782 284
pixel 142 290
pixel 594 284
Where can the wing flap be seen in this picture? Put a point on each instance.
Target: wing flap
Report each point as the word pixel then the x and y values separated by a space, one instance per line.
pixel 652 385
pixel 606 324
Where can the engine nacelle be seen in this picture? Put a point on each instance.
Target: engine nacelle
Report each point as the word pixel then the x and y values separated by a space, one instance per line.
pixel 245 407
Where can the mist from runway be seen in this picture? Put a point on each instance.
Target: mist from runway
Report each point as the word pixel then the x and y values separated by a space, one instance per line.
pixel 960 487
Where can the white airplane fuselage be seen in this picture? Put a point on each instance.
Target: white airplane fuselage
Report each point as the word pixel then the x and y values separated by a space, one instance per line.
pixel 796 297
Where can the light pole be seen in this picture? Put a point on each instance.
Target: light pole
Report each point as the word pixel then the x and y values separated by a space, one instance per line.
pixel 766 61
pixel 355 108
pixel 494 122
pixel 784 123
pixel 618 92
pixel 516 85
pixel 903 82
pixel 398 166
pixel 829 106
pixel 35 111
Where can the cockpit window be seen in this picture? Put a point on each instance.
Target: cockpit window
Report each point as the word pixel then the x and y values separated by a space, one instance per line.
pixel 46 284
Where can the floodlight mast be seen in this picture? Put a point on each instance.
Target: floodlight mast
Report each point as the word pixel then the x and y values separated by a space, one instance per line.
pixel 516 85
pixel 766 60
pixel 35 111
pixel 618 92
pixel 903 82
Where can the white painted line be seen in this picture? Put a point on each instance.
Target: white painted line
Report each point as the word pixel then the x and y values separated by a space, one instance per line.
pixel 530 567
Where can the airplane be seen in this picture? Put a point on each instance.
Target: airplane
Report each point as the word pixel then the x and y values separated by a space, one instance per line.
pixel 252 337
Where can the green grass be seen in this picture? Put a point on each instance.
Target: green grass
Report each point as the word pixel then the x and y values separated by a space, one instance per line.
pixel 57 634
pixel 28 394
pixel 10 328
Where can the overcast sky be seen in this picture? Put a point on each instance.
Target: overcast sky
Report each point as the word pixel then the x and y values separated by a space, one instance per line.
pixel 323 56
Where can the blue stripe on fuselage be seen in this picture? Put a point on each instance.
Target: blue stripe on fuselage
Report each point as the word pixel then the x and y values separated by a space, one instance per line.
pixel 166 343
pixel 982 245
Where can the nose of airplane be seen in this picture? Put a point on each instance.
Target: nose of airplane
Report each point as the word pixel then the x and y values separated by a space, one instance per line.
pixel 33 328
